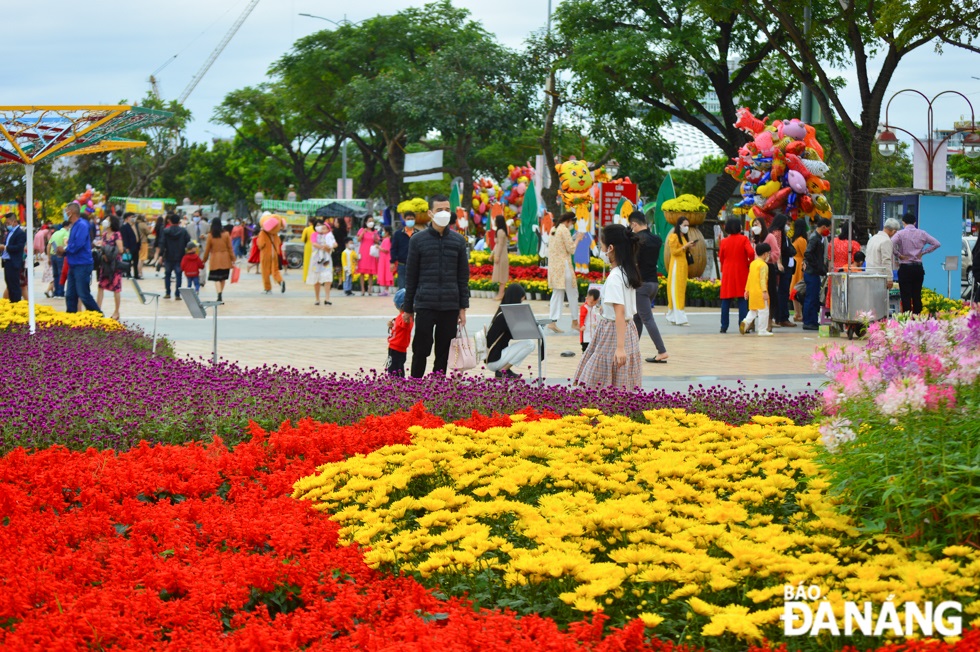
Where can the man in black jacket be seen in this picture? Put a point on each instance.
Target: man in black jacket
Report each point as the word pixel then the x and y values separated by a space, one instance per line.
pixel 399 247
pixel 437 279
pixel 175 239
pixel 647 257
pixel 13 256
pixel 814 269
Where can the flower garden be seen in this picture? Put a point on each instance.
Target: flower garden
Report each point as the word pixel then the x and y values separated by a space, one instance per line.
pixel 155 502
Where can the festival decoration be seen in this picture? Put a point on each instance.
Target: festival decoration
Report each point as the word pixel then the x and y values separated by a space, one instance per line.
pixel 576 183
pixel 415 205
pixel 91 202
pixel 514 188
pixel 692 208
pixel 780 170
pixel 486 194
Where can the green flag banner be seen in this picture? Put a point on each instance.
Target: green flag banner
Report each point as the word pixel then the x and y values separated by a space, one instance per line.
pixel 454 197
pixel 660 225
pixel 527 239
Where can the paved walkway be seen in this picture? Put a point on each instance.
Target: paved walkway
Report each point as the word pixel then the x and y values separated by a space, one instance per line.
pixel 349 336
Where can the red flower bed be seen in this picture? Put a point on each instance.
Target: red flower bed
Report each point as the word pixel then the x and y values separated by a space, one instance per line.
pixel 193 546
pixel 518 274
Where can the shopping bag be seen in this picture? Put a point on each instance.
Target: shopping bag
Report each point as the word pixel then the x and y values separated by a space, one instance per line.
pixel 462 354
pixel 236 273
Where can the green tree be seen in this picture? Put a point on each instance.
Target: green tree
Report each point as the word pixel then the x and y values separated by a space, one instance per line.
pixel 269 119
pixel 143 171
pixel 692 181
pixel 966 168
pixel 638 64
pixel 870 37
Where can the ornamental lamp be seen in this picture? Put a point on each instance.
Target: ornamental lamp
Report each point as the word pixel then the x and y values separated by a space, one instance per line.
pixel 971 145
pixel 612 167
pixel 259 197
pixel 887 143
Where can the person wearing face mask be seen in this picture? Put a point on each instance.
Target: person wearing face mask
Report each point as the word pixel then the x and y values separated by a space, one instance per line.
pixel 369 252
pixel 760 234
pixel 613 356
pixel 501 259
pixel 386 278
pixel 320 272
pixel 814 269
pixel 680 247
pixel 306 239
pixel 399 248
pixel 437 291
pixel 237 238
pixel 196 228
pixel 561 274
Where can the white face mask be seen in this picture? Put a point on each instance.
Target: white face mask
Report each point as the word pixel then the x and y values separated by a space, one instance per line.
pixel 604 257
pixel 685 228
pixel 756 229
pixel 370 224
pixel 321 229
pixel 441 219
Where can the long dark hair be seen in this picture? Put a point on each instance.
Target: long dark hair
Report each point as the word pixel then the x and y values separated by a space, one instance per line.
pixel 677 229
pixel 501 224
pixel 799 228
pixel 216 227
pixel 762 234
pixel 625 245
pixel 779 223
pixel 512 296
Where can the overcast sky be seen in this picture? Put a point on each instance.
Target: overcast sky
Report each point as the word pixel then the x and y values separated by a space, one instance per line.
pixel 104 51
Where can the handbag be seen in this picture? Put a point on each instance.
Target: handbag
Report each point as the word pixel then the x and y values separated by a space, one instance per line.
pixel 375 251
pixel 462 355
pixel 236 273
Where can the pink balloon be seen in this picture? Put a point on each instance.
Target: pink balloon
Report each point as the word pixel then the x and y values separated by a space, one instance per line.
pixel 483 207
pixel 796 181
pixel 90 204
pixel 521 188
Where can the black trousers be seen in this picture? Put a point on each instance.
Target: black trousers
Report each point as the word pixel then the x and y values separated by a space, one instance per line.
pixel 910 277
pixel 443 323
pixel 11 275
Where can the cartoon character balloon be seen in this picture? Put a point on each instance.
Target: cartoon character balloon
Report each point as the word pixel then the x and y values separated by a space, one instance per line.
pixel 576 182
pixel 780 169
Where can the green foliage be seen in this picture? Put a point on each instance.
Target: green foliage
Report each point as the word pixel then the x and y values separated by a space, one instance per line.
pixel 918 477
pixel 691 182
pixel 966 168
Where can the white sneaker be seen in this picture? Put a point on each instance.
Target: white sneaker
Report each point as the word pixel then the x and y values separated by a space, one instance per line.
pixel 765 333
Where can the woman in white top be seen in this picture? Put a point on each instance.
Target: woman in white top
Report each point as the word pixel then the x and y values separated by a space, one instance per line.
pixel 613 357
pixel 320 272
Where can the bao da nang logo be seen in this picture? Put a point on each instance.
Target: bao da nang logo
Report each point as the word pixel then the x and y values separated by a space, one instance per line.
pixel 801 617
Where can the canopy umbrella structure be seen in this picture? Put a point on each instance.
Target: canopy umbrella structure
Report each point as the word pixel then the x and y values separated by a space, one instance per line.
pixel 337 209
pixel 29 134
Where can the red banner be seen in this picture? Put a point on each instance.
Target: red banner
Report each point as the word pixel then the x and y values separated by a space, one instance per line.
pixel 609 196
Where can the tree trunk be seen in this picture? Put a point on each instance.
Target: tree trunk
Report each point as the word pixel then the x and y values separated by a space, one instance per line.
pixel 719 195
pixel 858 178
pixel 550 195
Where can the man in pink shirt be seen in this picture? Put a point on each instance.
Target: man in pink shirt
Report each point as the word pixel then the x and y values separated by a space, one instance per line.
pixel 909 246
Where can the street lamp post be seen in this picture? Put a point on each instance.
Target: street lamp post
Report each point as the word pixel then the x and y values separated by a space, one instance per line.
pixel 888 141
pixel 342 191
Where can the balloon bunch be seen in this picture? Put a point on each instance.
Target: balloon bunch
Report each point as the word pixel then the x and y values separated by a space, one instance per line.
pixel 514 187
pixel 780 170
pixel 486 193
pixel 91 201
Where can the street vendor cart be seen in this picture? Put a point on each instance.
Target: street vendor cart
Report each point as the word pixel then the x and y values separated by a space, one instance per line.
pixel 856 297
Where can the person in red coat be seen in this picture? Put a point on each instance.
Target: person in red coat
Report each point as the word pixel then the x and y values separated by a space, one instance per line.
pixel 735 253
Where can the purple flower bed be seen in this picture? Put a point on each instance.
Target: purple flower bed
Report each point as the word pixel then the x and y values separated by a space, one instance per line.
pixel 81 388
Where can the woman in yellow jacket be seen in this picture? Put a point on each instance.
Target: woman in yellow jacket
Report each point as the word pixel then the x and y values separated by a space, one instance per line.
pixel 679 246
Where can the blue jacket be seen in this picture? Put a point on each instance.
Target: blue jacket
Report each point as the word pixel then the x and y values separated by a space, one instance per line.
pixel 399 246
pixel 78 250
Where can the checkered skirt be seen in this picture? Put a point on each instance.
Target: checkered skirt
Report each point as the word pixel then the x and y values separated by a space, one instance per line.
pixel 598 368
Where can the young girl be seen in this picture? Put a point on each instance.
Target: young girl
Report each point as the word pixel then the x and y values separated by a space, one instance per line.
pixel 757 291
pixel 613 359
pixel 386 279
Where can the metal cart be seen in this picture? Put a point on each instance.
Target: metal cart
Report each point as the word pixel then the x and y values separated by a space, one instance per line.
pixel 855 297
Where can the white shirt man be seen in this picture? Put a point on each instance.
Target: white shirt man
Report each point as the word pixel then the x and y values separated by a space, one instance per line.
pixel 881 259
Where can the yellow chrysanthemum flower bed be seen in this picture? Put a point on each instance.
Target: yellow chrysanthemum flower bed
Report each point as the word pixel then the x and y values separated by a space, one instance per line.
pixel 694 525
pixel 15 314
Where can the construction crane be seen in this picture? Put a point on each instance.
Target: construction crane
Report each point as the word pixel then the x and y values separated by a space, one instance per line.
pixel 217 52
pixel 154 88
